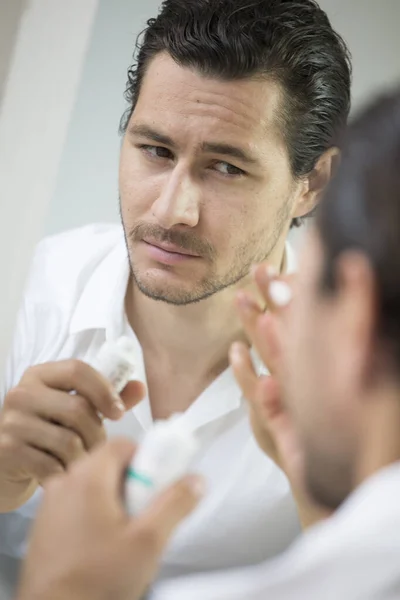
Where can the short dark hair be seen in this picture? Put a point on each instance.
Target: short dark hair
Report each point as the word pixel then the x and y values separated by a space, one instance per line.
pixel 361 210
pixel 289 41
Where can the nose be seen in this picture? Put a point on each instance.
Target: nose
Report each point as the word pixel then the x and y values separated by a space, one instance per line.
pixel 179 200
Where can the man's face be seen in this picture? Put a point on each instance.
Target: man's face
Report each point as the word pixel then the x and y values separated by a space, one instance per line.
pixel 205 183
pixel 323 383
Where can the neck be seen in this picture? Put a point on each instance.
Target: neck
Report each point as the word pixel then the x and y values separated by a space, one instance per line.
pixel 380 446
pixel 196 336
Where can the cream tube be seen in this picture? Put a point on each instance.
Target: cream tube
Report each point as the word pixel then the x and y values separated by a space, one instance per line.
pixel 116 362
pixel 163 457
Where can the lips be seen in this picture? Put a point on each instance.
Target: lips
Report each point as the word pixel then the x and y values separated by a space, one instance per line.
pixel 172 248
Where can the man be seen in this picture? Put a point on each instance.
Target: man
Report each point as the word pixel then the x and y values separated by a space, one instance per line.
pixel 235 108
pixel 338 430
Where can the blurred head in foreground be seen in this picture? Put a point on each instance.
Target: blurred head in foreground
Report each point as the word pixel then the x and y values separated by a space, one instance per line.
pixel 344 349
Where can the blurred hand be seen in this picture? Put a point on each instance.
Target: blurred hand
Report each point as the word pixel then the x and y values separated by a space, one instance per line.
pixel 271 422
pixel 44 427
pixel 84 546
pixel 265 331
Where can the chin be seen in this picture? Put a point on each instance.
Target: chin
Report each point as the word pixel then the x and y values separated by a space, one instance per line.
pixel 173 293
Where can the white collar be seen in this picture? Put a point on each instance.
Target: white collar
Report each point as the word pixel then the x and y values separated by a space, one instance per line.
pixel 102 303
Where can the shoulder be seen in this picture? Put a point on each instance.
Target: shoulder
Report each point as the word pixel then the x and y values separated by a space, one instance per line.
pixel 62 263
pixel 61 268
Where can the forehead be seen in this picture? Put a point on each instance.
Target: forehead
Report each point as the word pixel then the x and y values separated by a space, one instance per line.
pixel 184 100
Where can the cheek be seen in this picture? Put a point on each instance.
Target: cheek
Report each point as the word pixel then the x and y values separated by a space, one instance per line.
pixel 234 221
pixel 304 368
pixel 317 394
pixel 221 221
pixel 138 190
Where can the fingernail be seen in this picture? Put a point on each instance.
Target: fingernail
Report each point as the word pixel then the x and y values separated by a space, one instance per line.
pixel 280 293
pixel 197 485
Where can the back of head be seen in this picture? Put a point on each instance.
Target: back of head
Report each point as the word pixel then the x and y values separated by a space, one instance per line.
pixel 361 210
pixel 288 41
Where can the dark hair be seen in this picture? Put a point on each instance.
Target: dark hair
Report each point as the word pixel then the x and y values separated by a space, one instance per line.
pixel 289 41
pixel 361 209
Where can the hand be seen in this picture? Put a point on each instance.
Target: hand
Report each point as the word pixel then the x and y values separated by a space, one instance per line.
pixel 271 422
pixel 266 331
pixel 44 427
pixel 85 546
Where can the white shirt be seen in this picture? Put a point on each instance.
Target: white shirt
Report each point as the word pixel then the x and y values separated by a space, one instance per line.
pixel 73 302
pixel 354 555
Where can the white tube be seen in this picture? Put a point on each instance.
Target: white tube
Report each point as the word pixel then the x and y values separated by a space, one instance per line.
pixel 116 362
pixel 164 457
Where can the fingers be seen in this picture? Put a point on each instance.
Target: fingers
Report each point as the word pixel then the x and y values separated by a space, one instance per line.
pixel 156 525
pixel 29 431
pixel 264 330
pixel 69 410
pixel 133 393
pixel 110 461
pixel 42 465
pixel 75 375
pixel 259 332
pixel 275 290
pixel 270 399
pixel 73 412
pixel 243 369
pixel 29 461
pixel 268 341
pixel 261 392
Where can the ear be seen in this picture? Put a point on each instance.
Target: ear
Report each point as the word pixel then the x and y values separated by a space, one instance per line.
pixel 316 181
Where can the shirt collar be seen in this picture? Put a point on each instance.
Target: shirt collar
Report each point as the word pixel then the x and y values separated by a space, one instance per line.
pixel 102 302
pixel 379 487
pixel 289 260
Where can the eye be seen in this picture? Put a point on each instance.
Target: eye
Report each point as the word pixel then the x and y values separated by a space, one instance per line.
pixel 156 151
pixel 228 169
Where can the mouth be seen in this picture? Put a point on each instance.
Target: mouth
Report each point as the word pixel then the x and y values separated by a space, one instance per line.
pixel 167 254
pixel 171 248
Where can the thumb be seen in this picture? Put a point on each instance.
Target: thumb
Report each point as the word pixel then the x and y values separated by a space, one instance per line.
pixel 133 393
pixel 170 508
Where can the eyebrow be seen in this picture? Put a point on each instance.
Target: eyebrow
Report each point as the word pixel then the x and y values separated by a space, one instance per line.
pixel 229 151
pixel 151 134
pixel 223 149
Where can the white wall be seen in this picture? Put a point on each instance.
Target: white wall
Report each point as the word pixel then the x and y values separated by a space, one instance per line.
pixel 87 189
pixel 87 183
pixel 371 29
pixel 38 89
